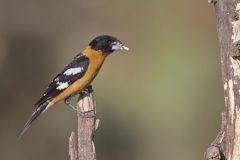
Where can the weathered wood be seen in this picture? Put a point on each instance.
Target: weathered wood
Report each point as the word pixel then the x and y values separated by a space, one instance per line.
pixel 73 147
pixel 87 125
pixel 227 142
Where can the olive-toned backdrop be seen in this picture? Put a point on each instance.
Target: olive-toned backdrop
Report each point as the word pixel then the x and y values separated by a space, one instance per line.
pixel 161 100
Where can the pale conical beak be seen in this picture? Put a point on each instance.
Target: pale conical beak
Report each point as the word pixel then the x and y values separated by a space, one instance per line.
pixel 119 46
pixel 125 48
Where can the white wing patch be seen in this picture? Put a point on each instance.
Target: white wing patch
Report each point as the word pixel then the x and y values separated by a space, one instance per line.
pixel 73 71
pixel 62 85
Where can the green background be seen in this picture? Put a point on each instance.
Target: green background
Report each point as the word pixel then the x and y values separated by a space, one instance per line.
pixel 161 100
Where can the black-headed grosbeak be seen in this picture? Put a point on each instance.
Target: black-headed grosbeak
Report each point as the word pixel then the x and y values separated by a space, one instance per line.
pixel 76 76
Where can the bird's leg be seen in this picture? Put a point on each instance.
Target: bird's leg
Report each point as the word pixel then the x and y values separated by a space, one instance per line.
pixel 67 101
pixel 86 114
pixel 89 113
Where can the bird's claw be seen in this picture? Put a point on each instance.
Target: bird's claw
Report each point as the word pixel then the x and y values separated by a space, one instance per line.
pixel 87 90
pixel 67 101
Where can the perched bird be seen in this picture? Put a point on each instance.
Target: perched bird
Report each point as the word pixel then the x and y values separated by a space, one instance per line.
pixel 76 76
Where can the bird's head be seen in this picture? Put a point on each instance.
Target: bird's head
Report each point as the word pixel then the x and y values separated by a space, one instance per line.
pixel 107 44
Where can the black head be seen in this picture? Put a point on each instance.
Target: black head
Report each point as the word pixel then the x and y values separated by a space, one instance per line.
pixel 107 44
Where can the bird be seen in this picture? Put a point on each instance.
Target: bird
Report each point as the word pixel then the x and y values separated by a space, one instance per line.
pixel 76 76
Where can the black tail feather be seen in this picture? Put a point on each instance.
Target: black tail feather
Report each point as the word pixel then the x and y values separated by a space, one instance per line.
pixel 34 115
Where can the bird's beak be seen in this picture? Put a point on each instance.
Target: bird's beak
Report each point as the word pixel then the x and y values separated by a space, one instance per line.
pixel 125 48
pixel 119 46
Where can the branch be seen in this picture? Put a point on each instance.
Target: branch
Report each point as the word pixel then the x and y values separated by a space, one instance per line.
pixel 81 147
pixel 227 144
pixel 73 152
pixel 216 147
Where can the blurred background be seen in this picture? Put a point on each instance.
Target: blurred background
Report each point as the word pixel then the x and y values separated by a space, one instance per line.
pixel 161 100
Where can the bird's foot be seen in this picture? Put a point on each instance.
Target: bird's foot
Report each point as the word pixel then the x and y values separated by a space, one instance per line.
pixel 67 101
pixel 87 90
pixel 86 114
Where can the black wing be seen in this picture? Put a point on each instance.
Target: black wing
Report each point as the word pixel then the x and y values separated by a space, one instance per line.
pixel 72 72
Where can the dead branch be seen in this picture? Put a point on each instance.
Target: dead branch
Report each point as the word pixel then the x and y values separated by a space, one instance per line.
pixel 81 146
pixel 227 144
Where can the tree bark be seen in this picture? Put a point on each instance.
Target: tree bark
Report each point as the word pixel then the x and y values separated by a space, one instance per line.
pixel 81 146
pixel 73 145
pixel 227 144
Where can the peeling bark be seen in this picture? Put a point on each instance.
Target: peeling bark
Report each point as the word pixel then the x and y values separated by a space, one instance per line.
pixel 228 27
pixel 73 152
pixel 81 146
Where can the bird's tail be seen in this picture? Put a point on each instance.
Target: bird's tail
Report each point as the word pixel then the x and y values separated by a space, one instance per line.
pixel 37 112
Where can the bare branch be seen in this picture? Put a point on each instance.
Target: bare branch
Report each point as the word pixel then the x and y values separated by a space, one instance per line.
pixel 73 147
pixel 227 144
pixel 87 125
